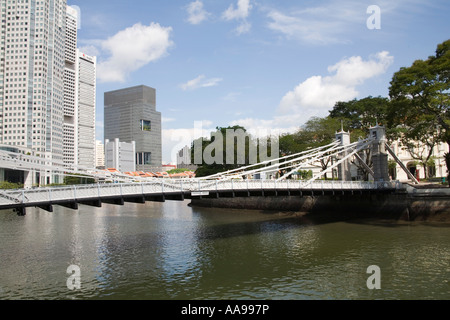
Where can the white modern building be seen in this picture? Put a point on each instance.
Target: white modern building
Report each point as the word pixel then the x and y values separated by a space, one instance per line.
pixel 85 106
pixel 120 155
pixel 38 91
pixel 31 77
pixel 70 90
pixel 79 100
pixel 99 155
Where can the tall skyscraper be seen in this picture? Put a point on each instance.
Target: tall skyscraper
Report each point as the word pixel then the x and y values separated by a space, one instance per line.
pixel 37 100
pixel 79 100
pixel 86 99
pixel 70 90
pixel 130 115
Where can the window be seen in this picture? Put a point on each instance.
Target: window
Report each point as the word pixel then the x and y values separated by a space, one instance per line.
pixel 145 125
pixel 144 158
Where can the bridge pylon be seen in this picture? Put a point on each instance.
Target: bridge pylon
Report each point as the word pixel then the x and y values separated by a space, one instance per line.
pixel 379 153
pixel 344 173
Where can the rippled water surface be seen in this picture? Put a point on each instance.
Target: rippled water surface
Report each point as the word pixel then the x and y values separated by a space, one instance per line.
pixel 172 251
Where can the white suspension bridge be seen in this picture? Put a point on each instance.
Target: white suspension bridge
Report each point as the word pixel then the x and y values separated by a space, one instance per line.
pixel 233 183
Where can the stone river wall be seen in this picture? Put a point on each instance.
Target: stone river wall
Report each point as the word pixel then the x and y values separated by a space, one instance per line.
pixel 410 204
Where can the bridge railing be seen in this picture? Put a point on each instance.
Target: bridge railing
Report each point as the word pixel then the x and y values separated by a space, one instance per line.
pixel 224 185
pixel 299 184
pixel 160 186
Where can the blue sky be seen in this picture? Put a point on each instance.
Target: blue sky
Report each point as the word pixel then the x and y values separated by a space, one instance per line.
pixel 267 65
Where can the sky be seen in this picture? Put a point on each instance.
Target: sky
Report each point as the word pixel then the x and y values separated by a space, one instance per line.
pixel 266 65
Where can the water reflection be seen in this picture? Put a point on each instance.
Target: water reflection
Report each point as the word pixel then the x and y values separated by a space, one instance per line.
pixel 172 251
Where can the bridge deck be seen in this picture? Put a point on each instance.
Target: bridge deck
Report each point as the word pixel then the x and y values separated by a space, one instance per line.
pixel 163 189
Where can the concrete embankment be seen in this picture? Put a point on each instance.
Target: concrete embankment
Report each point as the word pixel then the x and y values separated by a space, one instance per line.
pixel 409 203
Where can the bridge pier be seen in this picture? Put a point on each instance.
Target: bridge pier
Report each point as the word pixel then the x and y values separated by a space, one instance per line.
pixel 135 199
pixel 46 207
pixel 21 211
pixel 115 201
pixel 93 203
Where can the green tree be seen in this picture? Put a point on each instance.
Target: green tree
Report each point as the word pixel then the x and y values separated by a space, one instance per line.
pixel 290 144
pixel 359 115
pixel 76 179
pixel 5 185
pixel 420 98
pixel 217 155
pixel 178 170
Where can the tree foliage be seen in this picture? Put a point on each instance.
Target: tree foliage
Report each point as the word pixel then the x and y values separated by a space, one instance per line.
pixel 178 170
pixel 361 114
pixel 224 156
pixel 6 185
pixel 420 104
pixel 76 179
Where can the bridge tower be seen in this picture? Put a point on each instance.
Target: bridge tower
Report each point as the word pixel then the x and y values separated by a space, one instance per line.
pixel 379 153
pixel 344 173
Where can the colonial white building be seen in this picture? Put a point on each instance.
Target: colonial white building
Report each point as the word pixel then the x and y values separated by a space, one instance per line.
pixel 436 168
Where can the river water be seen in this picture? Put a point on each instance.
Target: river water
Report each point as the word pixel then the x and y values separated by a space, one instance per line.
pixel 171 251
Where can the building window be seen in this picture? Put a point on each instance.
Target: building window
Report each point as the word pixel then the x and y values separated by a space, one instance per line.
pixel 143 158
pixel 145 125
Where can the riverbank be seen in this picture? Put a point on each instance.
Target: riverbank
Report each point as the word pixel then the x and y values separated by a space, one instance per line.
pixel 410 203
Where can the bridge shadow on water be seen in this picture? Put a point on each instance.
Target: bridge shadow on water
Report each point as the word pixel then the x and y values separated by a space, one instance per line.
pixel 275 221
pixel 265 222
pixel 399 223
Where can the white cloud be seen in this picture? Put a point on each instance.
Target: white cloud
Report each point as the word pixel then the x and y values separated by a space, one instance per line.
pixel 131 49
pixel 241 13
pixel 326 24
pixel 165 120
pixel 200 82
pixel 231 97
pixel 273 127
pixel 333 22
pixel 317 95
pixel 310 31
pixel 196 12
pixel 244 27
pixel 90 50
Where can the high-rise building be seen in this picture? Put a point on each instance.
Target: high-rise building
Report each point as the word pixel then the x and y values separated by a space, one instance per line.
pixel 70 90
pixel 79 100
pixel 130 115
pixel 85 105
pixel 31 75
pixel 38 91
